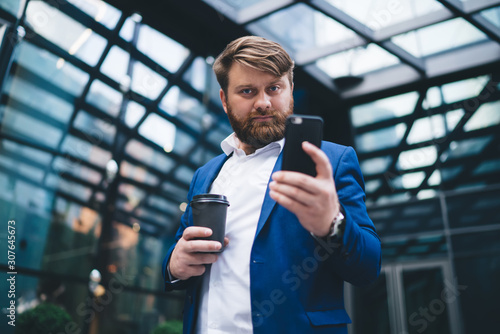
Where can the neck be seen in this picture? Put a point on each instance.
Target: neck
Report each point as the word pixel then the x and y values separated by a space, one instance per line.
pixel 248 149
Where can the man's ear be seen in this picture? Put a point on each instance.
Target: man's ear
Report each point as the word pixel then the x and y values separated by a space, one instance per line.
pixel 223 100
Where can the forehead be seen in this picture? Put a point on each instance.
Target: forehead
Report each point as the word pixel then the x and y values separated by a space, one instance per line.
pixel 244 75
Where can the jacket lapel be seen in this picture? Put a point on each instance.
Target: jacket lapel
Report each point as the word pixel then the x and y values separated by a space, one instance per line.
pixel 212 173
pixel 269 203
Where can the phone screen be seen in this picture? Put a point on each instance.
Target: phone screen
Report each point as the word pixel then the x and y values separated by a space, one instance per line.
pixel 300 128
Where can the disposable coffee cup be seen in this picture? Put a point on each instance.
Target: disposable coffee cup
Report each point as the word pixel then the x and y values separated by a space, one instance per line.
pixel 210 210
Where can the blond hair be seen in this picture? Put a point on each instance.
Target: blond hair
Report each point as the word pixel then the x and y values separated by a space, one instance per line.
pixel 256 52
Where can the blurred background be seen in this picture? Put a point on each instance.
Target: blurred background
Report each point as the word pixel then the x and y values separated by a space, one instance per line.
pixel 108 108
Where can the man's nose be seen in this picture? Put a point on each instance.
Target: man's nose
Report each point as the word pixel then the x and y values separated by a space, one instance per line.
pixel 263 101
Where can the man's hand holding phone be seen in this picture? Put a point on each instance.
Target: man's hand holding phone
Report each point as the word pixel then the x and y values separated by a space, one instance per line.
pixel 313 199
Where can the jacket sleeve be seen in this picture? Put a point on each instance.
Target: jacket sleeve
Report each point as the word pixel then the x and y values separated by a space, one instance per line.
pixel 359 259
pixel 186 221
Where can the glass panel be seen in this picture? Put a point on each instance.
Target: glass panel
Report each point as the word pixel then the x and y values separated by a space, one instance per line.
pixel 55 70
pixel 184 107
pixel 65 32
pixel 465 148
pixel 85 151
pixel 487 115
pixel 24 126
pixel 183 143
pixel 380 139
pixel 100 11
pixel 197 73
pixel 133 113
pixel 464 89
pixel 388 108
pixel 41 100
pixel 417 158
pixel 176 191
pixel 480 209
pixel 425 289
pixel 138 173
pixel 162 49
pixel 217 135
pixel 12 6
pixel 98 128
pixel 372 186
pixel 76 229
pixel 371 305
pixel 184 174
pixel 25 151
pixel 201 156
pixel 433 98
pixel 237 4
pixel 115 64
pixel 158 130
pixel 147 82
pixel 105 98
pixel 486 167
pixel 478 287
pixel 376 165
pixel 163 204
pixel 63 166
pixel 492 15
pixel 380 14
pixel 133 194
pixel 439 37
pixel 357 61
pixel 427 128
pixel 408 181
pixel 73 189
pixel 299 27
pixel 150 157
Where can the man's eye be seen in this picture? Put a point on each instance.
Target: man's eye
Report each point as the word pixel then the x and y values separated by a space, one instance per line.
pixel 273 88
pixel 246 91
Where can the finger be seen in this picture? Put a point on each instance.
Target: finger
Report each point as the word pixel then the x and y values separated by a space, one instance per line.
pixel 287 202
pixel 193 232
pixel 226 241
pixel 202 258
pixel 296 179
pixel 305 197
pixel 323 166
pixel 196 246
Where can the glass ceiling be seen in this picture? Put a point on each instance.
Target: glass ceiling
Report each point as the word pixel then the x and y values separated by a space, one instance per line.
pixel 372 40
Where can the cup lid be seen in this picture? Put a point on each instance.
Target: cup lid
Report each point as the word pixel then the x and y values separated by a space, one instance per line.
pixel 210 198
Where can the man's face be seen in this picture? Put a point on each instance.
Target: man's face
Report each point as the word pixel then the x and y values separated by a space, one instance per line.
pixel 257 104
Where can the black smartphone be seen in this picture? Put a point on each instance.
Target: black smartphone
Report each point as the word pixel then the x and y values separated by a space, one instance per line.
pixel 300 128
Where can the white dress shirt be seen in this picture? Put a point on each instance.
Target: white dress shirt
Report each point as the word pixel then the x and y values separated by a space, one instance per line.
pixel 225 305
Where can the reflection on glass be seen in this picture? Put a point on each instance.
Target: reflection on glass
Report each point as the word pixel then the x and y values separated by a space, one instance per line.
pixel 420 157
pixel 299 27
pixel 380 139
pixel 380 14
pixel 439 37
pixel 105 98
pixel 391 107
pixel 86 151
pixel 149 156
pixel 100 11
pixel 463 89
pixel 66 166
pixel 160 131
pixel 65 32
pixel 487 115
pixel 21 125
pixel 37 98
pixel 371 308
pixel 465 148
pixel 162 49
pixel 424 289
pixel 357 61
pixel 137 173
pixel 59 72
pixel 98 128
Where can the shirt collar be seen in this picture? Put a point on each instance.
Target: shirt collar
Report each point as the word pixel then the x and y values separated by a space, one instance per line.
pixel 231 144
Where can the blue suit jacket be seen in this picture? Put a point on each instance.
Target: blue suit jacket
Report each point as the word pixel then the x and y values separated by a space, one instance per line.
pixel 296 280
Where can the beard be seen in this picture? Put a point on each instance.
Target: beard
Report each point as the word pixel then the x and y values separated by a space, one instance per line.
pixel 259 134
